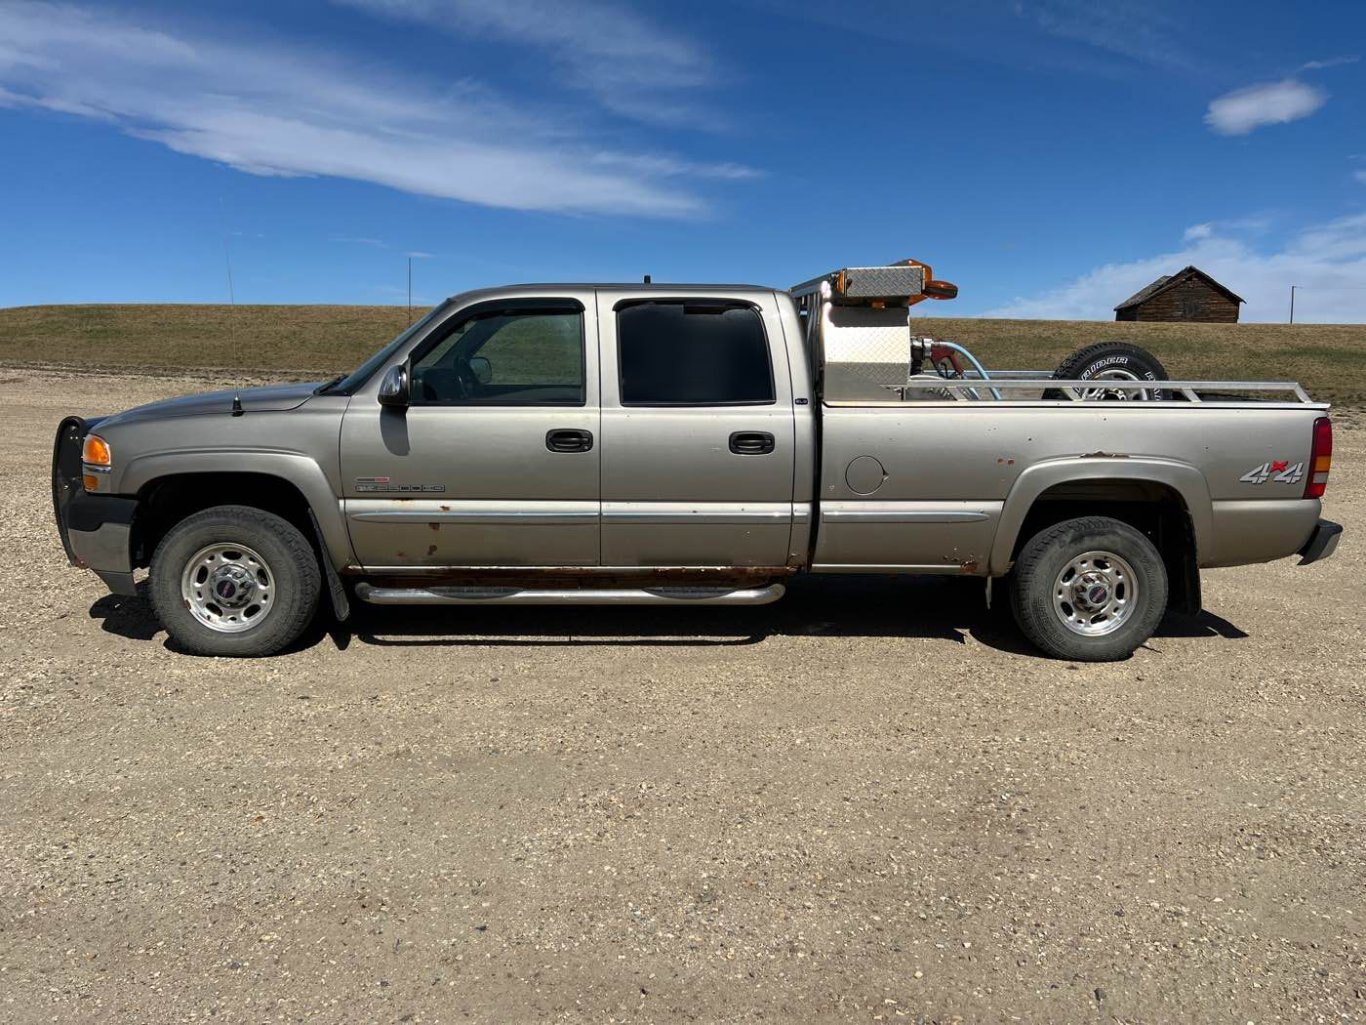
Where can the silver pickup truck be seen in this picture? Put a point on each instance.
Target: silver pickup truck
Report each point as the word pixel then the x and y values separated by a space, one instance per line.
pixel 689 445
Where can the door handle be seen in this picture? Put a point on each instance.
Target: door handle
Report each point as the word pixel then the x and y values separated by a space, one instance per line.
pixel 752 443
pixel 569 441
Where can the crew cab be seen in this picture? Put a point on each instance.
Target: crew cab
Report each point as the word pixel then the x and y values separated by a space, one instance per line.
pixel 687 445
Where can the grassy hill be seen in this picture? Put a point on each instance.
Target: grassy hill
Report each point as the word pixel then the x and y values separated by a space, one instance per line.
pixel 294 341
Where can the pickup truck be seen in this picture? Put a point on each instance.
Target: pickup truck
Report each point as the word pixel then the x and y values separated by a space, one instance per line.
pixel 687 445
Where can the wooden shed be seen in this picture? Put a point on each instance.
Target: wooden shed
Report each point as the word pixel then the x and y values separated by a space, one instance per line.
pixel 1189 294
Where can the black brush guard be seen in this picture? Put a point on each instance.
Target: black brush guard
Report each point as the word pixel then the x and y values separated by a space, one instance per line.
pixel 66 475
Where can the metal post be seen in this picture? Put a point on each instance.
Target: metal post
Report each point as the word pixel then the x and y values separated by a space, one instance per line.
pixel 410 291
pixel 1292 303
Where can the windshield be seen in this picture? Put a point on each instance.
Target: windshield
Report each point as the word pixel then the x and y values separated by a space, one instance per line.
pixel 348 384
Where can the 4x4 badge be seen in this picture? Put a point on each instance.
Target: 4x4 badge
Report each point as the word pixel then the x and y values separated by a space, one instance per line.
pixel 1281 471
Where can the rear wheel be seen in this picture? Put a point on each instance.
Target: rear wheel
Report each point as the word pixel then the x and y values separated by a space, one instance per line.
pixel 1111 361
pixel 1089 590
pixel 235 581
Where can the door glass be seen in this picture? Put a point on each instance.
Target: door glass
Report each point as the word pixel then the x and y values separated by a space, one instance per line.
pixel 693 354
pixel 505 358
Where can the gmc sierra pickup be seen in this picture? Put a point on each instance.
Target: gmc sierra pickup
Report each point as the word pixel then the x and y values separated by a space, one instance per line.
pixel 687 444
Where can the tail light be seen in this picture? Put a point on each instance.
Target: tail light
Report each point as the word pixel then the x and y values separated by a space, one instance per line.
pixel 1320 458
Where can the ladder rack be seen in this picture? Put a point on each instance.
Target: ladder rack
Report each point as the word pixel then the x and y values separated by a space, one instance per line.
pixel 969 387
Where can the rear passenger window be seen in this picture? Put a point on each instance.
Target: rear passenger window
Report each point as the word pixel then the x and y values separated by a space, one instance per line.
pixel 690 353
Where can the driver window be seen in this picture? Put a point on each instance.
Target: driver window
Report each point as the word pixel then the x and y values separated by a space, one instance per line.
pixel 519 357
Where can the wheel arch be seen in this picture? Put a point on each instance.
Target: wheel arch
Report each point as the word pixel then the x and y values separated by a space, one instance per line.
pixel 169 488
pixel 1165 499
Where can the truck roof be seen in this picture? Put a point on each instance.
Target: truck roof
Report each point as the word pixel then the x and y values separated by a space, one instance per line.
pixel 539 288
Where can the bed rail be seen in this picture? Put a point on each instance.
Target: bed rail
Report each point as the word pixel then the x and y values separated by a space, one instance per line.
pixel 1015 385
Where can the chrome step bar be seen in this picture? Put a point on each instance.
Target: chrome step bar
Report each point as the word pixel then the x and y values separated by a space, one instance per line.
pixel 568 596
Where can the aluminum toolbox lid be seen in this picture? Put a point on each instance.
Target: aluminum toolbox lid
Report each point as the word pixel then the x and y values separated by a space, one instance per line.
pixel 860 286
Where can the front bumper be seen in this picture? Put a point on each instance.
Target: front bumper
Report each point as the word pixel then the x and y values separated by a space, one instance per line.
pixel 1322 543
pixel 96 530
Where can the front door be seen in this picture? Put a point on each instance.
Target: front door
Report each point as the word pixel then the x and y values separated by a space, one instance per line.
pixel 698 432
pixel 495 462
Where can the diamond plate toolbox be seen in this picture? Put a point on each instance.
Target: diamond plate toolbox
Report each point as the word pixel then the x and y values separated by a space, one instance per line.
pixel 891 283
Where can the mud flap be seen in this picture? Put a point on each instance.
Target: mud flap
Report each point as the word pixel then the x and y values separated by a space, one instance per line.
pixel 1183 570
pixel 341 605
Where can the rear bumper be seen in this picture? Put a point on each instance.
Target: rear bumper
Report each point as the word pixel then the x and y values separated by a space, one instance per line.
pixel 96 530
pixel 1322 543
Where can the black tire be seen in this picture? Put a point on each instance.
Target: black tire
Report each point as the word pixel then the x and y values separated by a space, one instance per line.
pixel 1095 361
pixel 287 565
pixel 1040 601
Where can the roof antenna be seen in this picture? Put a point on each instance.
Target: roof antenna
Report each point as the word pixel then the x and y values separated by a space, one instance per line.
pixel 647 279
pixel 232 322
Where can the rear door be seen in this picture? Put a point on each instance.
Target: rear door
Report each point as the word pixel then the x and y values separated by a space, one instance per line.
pixel 697 431
pixel 495 462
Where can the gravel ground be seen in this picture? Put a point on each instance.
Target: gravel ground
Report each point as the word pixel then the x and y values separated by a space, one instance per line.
pixel 869 802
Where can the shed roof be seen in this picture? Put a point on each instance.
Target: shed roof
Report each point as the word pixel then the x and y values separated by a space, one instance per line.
pixel 1170 280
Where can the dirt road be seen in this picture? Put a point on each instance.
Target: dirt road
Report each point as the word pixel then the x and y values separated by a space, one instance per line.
pixel 868 802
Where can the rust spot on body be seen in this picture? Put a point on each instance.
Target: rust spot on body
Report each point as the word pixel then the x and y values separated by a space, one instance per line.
pixel 434 526
pixel 968 567
pixel 431 549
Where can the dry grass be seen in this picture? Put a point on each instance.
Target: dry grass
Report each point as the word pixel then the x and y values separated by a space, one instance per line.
pixel 1329 359
pixel 321 339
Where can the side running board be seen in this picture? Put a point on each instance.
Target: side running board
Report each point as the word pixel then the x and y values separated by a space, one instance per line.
pixel 568 596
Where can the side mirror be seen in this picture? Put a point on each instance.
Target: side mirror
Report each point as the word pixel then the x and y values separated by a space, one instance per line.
pixel 393 389
pixel 481 369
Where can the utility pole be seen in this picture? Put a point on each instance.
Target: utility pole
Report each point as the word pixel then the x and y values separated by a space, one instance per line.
pixel 410 294
pixel 1292 303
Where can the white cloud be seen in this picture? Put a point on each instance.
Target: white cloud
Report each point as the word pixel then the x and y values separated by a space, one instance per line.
pixel 1269 103
pixel 374 243
pixel 1139 32
pixel 1198 231
pixel 1331 62
pixel 670 167
pixel 267 109
pixel 629 64
pixel 1327 262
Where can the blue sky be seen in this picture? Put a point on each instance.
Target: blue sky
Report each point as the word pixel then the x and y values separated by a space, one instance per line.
pixel 1050 156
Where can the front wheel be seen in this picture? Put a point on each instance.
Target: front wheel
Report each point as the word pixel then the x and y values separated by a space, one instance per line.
pixel 234 581
pixel 1089 590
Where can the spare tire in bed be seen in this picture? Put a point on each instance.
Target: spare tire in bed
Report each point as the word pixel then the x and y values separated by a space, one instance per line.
pixel 1111 361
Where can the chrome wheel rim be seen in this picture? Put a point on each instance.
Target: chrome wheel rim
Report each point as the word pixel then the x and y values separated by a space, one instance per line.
pixel 1095 594
pixel 228 587
pixel 1114 394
